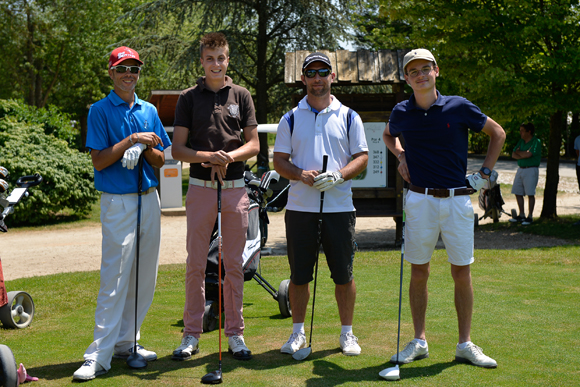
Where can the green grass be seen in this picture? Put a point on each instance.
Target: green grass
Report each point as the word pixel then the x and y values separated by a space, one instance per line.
pixel 525 316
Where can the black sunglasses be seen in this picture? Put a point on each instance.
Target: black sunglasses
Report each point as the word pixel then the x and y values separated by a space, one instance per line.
pixel 123 69
pixel 312 73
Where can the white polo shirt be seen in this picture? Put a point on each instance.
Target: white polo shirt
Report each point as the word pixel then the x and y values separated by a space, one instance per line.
pixel 314 135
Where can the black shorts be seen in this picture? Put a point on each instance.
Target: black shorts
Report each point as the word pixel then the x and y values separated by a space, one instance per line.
pixel 337 241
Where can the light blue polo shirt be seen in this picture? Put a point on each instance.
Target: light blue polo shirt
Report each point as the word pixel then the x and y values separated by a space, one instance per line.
pixel 110 121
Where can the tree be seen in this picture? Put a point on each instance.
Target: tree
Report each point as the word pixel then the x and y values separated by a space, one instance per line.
pixel 56 51
pixel 259 33
pixel 515 58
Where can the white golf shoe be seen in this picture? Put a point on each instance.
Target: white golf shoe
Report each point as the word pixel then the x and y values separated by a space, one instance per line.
pixel 472 354
pixel 413 351
pixel 349 344
pixel 147 355
pixel 89 370
pixel 296 341
pixel 237 347
pixel 189 346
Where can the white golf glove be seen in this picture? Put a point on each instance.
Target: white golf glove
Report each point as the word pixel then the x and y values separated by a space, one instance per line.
pixel 131 156
pixel 475 181
pixel 327 180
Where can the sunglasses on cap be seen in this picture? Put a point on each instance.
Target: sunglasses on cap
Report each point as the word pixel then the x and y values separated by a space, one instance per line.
pixel 311 73
pixel 123 69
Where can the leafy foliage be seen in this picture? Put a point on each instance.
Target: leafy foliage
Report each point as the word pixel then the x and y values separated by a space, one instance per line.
pixel 517 60
pixel 51 119
pixel 25 149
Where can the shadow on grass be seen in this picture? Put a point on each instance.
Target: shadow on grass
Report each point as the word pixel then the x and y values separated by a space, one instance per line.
pixel 335 375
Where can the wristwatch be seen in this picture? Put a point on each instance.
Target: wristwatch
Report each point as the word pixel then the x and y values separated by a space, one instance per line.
pixel 485 171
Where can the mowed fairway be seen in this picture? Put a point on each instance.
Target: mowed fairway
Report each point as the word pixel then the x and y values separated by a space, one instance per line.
pixel 526 316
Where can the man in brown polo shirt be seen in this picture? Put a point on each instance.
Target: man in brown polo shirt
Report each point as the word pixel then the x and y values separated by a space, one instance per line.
pixel 213 115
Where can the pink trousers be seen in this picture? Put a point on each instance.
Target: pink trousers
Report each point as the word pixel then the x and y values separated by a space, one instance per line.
pixel 201 210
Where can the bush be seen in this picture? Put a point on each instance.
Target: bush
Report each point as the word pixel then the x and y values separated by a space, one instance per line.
pixel 25 149
pixel 51 119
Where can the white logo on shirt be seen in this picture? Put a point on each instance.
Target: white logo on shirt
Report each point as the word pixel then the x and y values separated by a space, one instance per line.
pixel 234 110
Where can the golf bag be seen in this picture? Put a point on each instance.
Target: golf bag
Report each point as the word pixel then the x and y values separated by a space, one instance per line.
pixel 491 200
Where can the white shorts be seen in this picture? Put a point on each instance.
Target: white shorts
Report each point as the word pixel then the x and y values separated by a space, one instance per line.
pixel 427 217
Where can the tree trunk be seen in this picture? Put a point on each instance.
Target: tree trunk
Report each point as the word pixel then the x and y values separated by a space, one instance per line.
pixel 552 172
pixel 262 85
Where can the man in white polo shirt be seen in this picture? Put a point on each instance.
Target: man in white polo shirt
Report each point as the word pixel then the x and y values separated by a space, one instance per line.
pixel 320 125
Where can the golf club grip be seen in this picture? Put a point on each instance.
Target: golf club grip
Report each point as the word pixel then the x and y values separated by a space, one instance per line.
pixel 324 165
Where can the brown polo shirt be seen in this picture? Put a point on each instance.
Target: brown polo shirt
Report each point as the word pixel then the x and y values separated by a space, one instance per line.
pixel 215 122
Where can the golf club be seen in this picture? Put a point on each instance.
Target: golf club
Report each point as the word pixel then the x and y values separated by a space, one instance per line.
pixel 136 360
pixel 215 377
pixel 303 353
pixel 392 373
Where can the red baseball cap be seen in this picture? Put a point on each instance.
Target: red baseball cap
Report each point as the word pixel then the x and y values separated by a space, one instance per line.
pixel 123 53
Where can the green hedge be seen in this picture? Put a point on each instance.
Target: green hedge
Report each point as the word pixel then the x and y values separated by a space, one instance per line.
pixel 68 176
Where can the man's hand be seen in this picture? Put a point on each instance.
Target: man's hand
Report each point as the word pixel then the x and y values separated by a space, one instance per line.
pixel 327 180
pixel 475 181
pixel 131 156
pixel 218 170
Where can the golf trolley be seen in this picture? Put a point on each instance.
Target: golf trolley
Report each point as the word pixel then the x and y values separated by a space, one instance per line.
pixel 491 201
pixel 16 307
pixel 259 192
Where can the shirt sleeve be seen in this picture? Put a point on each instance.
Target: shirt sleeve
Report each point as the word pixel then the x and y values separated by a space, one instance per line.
pixel 97 136
pixel 249 113
pixel 357 136
pixel 475 119
pixel 183 111
pixel 283 142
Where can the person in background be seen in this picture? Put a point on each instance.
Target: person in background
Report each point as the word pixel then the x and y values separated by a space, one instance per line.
pixel 528 152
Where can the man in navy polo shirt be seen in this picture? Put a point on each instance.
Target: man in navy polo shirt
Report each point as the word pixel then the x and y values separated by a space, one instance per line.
pixel 434 161
pixel 121 127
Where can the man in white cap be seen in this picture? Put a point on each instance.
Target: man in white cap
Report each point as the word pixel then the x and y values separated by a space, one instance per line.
pixel 434 161
pixel 121 128
pixel 320 125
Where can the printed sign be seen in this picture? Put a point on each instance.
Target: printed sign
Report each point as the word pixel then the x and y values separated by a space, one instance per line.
pixel 375 175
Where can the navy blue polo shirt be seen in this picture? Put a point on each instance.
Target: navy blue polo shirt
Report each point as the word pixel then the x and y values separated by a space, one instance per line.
pixel 110 121
pixel 436 139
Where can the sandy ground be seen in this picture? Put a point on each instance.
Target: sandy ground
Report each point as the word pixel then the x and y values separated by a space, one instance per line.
pixel 35 253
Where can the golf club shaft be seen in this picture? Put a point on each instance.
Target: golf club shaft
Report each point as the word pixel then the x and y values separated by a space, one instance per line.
pixel 401 274
pixel 139 193
pixel 219 204
pixel 324 165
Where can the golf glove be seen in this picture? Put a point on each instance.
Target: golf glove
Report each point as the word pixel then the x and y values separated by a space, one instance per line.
pixel 475 181
pixel 131 156
pixel 327 180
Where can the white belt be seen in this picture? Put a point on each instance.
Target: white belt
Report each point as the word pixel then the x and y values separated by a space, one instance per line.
pixel 227 183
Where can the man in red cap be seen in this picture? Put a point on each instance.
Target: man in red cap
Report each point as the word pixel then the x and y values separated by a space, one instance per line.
pixel 121 129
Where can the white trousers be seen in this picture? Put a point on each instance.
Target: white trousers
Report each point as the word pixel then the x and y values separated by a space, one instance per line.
pixel 115 313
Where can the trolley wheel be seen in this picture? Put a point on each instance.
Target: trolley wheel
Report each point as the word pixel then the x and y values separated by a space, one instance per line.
pixel 8 370
pixel 19 310
pixel 514 213
pixel 495 215
pixel 210 316
pixel 475 220
pixel 284 299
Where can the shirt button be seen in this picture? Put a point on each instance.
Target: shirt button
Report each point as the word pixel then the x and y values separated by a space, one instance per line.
pixel 425 113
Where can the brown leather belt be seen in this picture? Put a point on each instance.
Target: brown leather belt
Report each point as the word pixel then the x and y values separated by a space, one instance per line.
pixel 442 192
pixel 527 167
